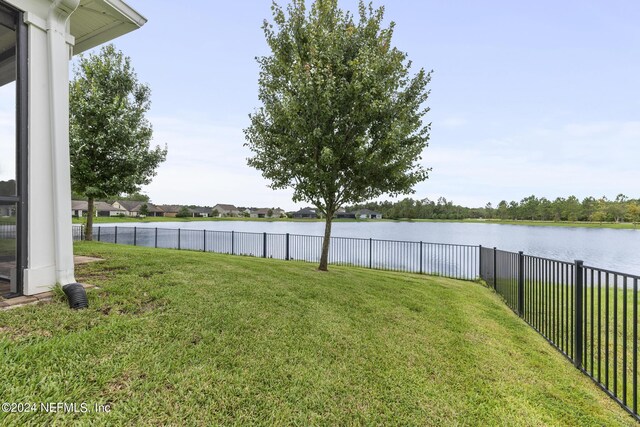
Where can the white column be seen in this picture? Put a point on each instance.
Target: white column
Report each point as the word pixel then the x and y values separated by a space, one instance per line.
pixel 50 245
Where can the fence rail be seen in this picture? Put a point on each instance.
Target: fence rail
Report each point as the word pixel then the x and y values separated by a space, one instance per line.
pixel 455 261
pixel 587 313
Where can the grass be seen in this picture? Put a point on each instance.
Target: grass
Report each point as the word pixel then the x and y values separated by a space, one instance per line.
pixel 7 247
pixel 174 338
pixel 608 348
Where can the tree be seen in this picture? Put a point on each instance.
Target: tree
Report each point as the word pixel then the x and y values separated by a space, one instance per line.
pixel 8 188
pixel 144 210
pixel 529 207
pixel 135 197
pixel 183 212
pixel 109 135
pixel 633 212
pixel 215 213
pixel 503 210
pixel 341 120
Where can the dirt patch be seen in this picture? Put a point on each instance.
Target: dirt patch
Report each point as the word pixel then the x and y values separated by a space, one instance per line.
pixel 79 260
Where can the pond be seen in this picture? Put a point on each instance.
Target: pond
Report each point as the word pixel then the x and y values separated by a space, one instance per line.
pixel 612 249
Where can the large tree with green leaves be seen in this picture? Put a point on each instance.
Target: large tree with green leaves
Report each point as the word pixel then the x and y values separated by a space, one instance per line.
pixel 341 120
pixel 109 134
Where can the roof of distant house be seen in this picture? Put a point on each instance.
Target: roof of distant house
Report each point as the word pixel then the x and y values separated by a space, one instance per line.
pixel 83 205
pixel 130 205
pixel 200 209
pixel 77 205
pixel 135 206
pixel 106 207
pixel 226 207
pixel 170 208
pixel 307 210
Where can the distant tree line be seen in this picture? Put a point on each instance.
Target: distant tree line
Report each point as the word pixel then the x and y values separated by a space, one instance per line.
pixel 8 188
pixel 532 208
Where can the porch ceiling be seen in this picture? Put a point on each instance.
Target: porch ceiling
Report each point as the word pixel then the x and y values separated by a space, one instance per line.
pixel 98 21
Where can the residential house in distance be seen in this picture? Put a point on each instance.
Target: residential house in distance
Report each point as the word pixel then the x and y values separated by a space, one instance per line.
pixel 266 213
pixel 226 210
pixel 154 210
pixel 368 214
pixel 80 208
pixel 306 213
pixel 201 211
pixel 132 208
pixel 170 210
pixel 345 215
pixel 7 210
pixel 259 213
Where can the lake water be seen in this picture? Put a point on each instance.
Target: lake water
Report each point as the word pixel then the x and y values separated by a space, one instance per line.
pixel 617 250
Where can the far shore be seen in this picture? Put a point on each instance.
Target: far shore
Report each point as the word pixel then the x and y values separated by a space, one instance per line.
pixel 613 225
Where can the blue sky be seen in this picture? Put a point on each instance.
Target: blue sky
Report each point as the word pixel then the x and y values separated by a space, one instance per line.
pixel 526 98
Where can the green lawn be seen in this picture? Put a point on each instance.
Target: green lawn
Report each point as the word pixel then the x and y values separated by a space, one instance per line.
pixel 186 338
pixel 7 247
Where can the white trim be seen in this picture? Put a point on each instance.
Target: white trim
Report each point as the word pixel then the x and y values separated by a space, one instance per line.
pixel 127 11
pixel 59 14
pixel 31 18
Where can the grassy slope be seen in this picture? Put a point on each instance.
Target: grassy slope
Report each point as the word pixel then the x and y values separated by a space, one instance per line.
pixel 182 337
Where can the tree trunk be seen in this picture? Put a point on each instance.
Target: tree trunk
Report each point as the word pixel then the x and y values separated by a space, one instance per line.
pixel 88 235
pixel 324 258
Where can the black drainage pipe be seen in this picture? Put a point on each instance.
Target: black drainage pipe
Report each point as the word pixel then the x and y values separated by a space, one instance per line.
pixel 76 295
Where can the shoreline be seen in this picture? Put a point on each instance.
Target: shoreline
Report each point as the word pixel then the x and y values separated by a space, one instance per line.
pixel 580 224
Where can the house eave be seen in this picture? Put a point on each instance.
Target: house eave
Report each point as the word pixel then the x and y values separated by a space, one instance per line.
pixel 103 21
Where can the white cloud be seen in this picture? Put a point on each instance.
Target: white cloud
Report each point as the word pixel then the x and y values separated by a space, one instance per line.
pixel 206 164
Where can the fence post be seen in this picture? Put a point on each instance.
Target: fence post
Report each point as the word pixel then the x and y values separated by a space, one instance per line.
pixel 155 240
pixel 480 261
pixel 520 284
pixel 115 239
pixel 286 251
pixel 577 314
pixel 370 251
pixel 204 240
pixel 421 268
pixel 232 243
pixel 135 236
pixel 82 232
pixel 98 234
pixel 495 268
pixel 179 235
pixel 264 245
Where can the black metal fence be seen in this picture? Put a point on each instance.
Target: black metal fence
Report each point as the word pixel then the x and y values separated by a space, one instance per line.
pixel 589 314
pixel 7 230
pixel 455 261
